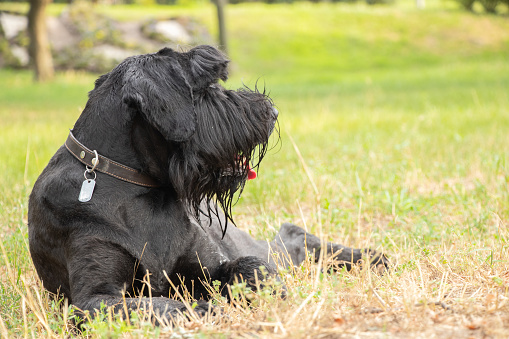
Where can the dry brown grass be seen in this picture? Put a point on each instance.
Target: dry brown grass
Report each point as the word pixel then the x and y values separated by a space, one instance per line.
pixel 450 294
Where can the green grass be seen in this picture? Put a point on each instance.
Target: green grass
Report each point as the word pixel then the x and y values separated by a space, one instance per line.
pixel 401 117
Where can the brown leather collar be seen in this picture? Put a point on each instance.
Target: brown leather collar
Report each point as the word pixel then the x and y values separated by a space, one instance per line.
pixel 106 165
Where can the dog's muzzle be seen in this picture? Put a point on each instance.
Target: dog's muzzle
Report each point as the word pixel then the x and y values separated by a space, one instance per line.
pixel 275 114
pixel 240 163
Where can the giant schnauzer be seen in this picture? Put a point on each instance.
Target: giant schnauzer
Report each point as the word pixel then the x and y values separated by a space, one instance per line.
pixel 144 184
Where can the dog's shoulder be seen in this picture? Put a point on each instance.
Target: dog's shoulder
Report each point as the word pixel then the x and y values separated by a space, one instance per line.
pixel 56 179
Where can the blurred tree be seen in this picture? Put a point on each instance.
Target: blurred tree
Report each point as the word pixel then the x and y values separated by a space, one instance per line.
pixel 467 4
pixel 490 6
pixel 39 49
pixel 223 42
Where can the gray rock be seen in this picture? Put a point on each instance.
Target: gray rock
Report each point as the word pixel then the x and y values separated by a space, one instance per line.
pixel 12 24
pixel 124 39
pixel 131 32
pixel 60 36
pixel 112 52
pixel 21 54
pixel 172 30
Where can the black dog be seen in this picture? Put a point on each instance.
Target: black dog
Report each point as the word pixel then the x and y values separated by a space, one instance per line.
pixel 135 189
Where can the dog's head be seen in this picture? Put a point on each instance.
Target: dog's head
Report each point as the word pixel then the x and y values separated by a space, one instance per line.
pixel 211 135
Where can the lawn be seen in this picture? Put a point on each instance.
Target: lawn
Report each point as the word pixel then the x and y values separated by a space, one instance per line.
pixel 394 135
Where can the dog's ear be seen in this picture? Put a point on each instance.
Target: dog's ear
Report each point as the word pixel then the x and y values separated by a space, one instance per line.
pixel 207 65
pixel 101 80
pixel 160 92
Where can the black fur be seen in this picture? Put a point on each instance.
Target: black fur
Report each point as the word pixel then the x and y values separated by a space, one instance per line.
pixel 167 115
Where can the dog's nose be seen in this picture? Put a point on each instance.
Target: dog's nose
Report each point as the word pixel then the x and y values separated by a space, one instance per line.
pixel 275 113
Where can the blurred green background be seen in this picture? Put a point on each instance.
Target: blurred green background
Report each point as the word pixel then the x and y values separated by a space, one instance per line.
pixel 399 113
pixel 385 102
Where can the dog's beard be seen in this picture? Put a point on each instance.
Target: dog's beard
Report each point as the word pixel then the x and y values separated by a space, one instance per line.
pixel 204 189
pixel 210 170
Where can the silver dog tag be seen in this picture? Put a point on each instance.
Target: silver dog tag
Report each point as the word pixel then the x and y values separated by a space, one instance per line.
pixel 87 189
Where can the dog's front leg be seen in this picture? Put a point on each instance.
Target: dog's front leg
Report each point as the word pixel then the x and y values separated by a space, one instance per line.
pixel 251 270
pixel 162 311
pixel 100 273
pixel 293 243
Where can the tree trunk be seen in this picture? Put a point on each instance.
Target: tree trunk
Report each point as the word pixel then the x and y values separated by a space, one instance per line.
pixel 39 50
pixel 223 43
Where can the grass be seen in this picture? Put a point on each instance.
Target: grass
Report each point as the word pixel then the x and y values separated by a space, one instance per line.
pixel 402 127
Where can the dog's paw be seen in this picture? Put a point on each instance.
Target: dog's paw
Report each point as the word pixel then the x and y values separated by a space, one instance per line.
pixel 377 260
pixel 198 308
pixel 203 308
pixel 349 257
